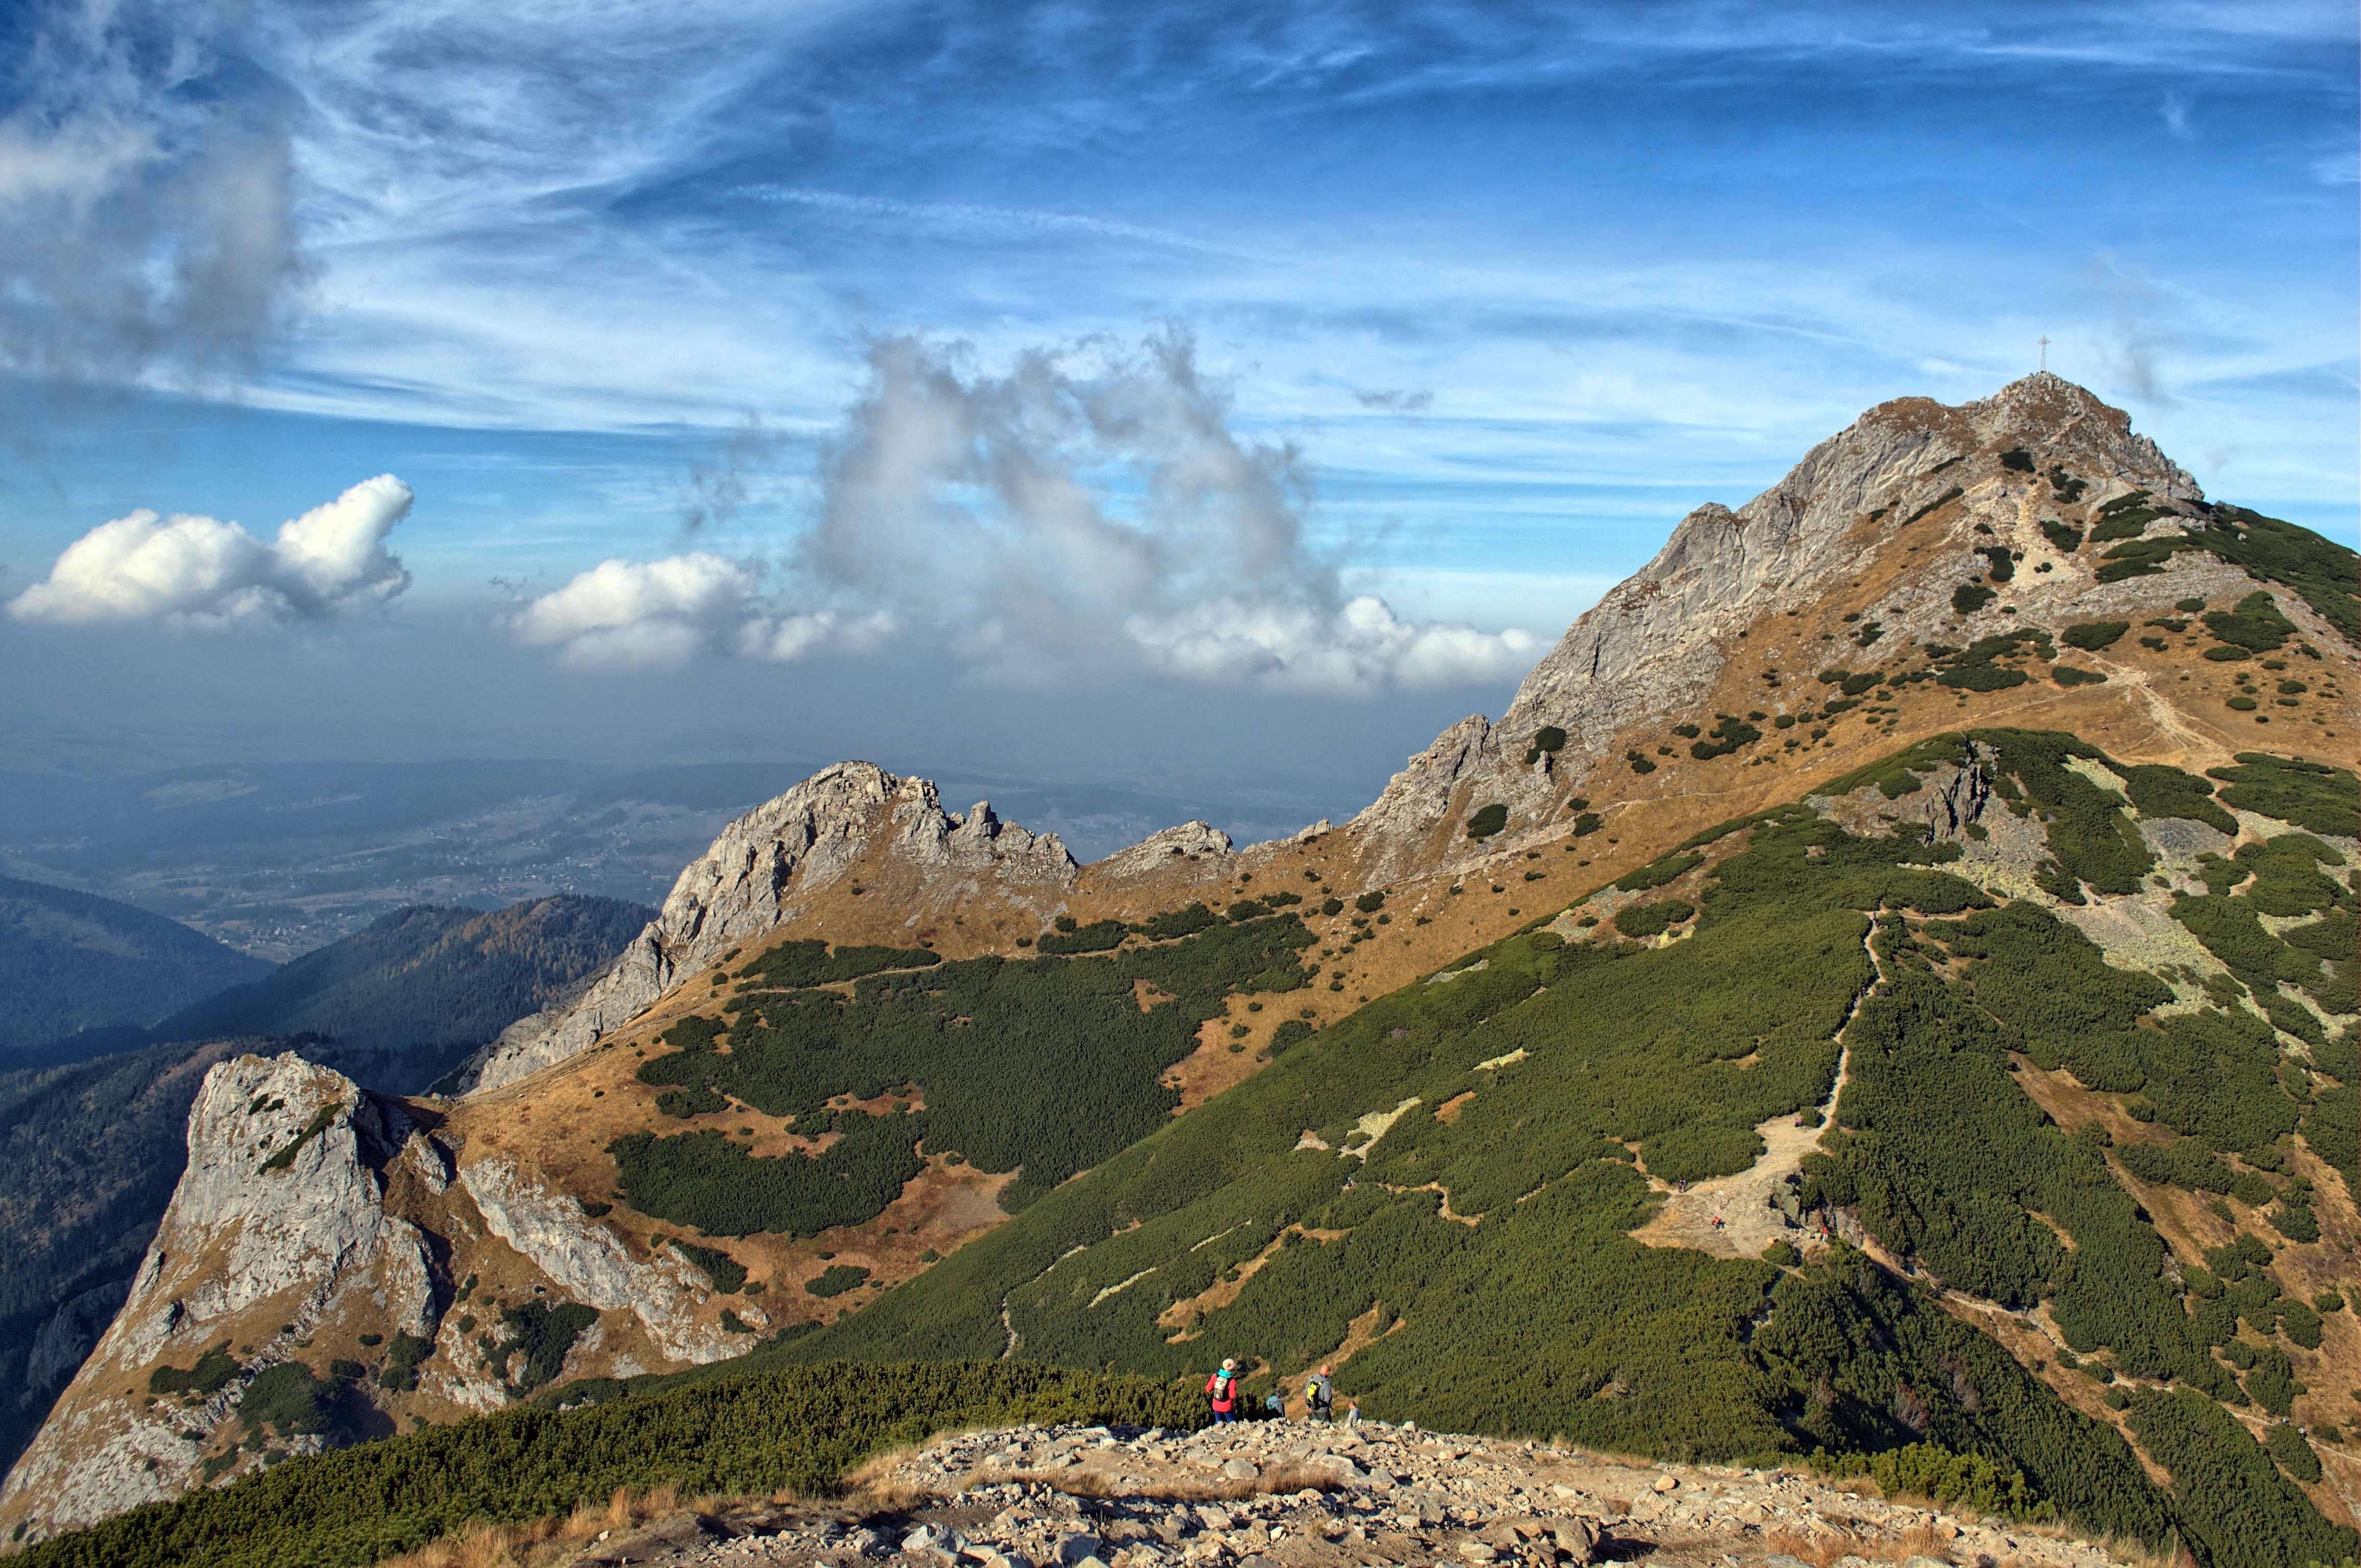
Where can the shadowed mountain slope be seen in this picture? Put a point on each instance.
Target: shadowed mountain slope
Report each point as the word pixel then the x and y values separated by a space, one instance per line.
pixel 71 961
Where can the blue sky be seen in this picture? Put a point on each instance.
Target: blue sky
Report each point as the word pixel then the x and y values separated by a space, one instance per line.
pixel 1012 348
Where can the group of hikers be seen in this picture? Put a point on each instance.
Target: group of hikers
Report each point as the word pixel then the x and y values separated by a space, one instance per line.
pixel 1319 1397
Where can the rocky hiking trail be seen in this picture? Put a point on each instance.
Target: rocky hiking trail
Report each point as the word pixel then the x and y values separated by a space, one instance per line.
pixel 1290 1495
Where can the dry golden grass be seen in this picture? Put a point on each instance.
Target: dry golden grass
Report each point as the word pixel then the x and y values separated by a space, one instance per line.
pixel 1821 1549
pixel 535 1543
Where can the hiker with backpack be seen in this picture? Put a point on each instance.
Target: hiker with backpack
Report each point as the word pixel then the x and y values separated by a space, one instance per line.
pixel 1222 1385
pixel 1319 1397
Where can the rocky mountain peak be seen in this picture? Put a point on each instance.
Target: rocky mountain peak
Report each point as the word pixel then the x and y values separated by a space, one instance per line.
pixel 280 1217
pixel 757 874
pixel 1892 512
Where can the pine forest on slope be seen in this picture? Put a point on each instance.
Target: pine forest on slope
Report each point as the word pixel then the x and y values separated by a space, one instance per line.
pixel 422 986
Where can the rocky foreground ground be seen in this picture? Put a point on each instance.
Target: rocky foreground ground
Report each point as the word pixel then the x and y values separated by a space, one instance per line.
pixel 1292 1496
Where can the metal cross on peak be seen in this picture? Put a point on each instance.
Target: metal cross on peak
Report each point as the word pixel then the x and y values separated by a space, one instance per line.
pixel 2045 353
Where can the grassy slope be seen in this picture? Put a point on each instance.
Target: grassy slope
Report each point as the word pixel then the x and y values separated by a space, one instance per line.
pixel 1524 1322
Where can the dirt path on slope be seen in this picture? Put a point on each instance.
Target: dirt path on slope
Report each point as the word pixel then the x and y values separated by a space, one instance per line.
pixel 1744 1202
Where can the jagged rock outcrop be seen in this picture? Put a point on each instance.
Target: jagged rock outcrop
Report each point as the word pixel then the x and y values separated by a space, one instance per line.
pixel 591 1265
pixel 754 878
pixel 1199 840
pixel 1656 644
pixel 280 1213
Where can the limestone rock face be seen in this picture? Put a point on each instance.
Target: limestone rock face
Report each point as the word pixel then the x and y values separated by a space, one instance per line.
pixel 1199 838
pixel 754 878
pixel 1656 644
pixel 591 1264
pixel 281 1213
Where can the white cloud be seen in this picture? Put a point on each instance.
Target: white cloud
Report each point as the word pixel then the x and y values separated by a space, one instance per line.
pixel 623 613
pixel 1089 512
pixel 194 571
pixel 146 186
pixel 661 614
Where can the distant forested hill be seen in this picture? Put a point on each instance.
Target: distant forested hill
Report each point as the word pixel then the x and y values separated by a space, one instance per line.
pixel 71 961
pixel 422 984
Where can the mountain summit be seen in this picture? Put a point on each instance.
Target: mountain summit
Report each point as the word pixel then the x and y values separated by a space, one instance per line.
pixel 1884 988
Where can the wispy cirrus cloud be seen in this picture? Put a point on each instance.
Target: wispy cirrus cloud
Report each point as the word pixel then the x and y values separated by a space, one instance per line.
pixel 146 194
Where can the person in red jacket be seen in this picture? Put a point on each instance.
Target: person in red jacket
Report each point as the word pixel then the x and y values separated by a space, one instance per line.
pixel 1223 1388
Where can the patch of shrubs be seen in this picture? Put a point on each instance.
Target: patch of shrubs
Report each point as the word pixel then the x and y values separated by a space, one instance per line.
pixel 1978 666
pixel 1946 498
pixel 209 1377
pixel 544 1333
pixel 806 964
pixel 1639 921
pixel 2256 625
pixel 1487 821
pixel 1728 734
pixel 2091 636
pixel 836 1279
pixel 400 1373
pixel 1098 937
pixel 726 1272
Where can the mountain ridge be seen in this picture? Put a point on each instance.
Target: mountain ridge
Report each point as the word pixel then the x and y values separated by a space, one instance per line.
pixel 833 918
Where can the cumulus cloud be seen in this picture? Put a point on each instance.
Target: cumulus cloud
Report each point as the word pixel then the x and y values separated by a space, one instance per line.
pixel 200 572
pixel 660 614
pixel 148 206
pixel 1088 510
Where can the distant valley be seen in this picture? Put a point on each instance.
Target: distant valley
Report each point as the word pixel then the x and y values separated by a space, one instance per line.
pixel 276 860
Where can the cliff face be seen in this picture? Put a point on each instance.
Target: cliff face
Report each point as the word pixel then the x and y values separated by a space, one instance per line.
pixel 1660 641
pixel 757 876
pixel 280 1218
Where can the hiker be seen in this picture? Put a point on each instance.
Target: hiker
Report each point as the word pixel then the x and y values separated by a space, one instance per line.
pixel 1223 1388
pixel 1352 1414
pixel 1319 1397
pixel 1274 1406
